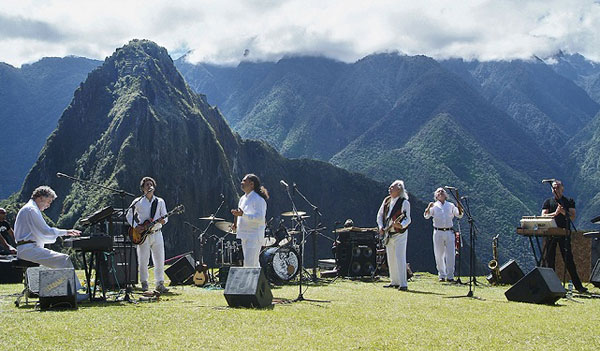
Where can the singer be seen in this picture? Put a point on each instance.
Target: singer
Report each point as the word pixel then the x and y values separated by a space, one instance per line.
pixel 558 206
pixel 150 207
pixel 443 213
pixel 249 218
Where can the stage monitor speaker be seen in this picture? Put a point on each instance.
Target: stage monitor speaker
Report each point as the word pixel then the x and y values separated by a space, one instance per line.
pixel 57 288
pixel 541 286
pixel 595 276
pixel 113 266
pixel 181 271
pixel 510 273
pixel 247 287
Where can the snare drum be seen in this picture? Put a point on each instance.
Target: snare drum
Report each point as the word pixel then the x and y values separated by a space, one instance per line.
pixel 281 264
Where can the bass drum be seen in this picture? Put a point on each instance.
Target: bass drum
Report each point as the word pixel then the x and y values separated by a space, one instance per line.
pixel 281 264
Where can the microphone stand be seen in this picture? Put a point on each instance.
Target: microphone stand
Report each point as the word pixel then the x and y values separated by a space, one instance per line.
pixel 122 194
pixel 472 236
pixel 301 263
pixel 314 232
pixel 210 224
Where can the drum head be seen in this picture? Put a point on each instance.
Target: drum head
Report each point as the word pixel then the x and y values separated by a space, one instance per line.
pixel 270 241
pixel 281 264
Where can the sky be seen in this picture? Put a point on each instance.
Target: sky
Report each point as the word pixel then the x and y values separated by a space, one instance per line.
pixel 227 32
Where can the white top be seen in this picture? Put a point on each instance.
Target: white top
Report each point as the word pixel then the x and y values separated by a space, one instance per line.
pixel 142 209
pixel 30 225
pixel 252 224
pixel 443 214
pixel 405 208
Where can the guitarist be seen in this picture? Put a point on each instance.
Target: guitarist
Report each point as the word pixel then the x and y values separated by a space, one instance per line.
pixel 150 207
pixel 393 207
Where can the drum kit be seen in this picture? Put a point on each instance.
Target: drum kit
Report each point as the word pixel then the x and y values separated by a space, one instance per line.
pixel 279 255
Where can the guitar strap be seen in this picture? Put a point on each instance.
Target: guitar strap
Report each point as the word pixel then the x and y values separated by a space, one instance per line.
pixel 153 208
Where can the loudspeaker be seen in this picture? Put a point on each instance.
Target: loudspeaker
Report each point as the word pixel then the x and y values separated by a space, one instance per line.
pixel 181 271
pixel 32 280
pixel 57 288
pixel 595 276
pixel 510 273
pixel 356 254
pixel 113 266
pixel 541 285
pixel 247 287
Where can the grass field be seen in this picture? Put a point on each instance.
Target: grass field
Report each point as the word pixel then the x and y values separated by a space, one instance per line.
pixel 360 315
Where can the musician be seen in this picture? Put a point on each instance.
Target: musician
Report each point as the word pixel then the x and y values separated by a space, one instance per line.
pixel 393 206
pixel 150 207
pixel 249 220
pixel 558 206
pixel 443 213
pixel 32 232
pixel 7 236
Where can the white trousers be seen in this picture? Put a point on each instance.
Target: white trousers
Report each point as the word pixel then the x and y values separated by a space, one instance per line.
pixel 251 249
pixel 154 245
pixel 443 249
pixel 396 257
pixel 45 257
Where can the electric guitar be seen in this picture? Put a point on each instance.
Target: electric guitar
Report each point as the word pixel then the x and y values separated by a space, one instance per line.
pixel 139 234
pixel 389 225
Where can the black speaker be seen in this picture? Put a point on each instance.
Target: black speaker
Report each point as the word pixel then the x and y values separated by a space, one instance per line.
pixel 595 276
pixel 541 285
pixel 510 273
pixel 57 288
pixel 9 274
pixel 247 287
pixel 356 254
pixel 181 271
pixel 113 266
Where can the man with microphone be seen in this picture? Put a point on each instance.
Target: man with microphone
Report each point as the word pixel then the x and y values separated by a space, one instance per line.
pixel 559 207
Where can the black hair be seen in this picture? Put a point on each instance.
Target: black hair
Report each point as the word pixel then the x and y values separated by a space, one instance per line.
pixel 259 189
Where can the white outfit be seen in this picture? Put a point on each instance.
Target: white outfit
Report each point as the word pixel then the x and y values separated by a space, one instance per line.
pixel 154 242
pixel 443 240
pixel 31 226
pixel 251 227
pixel 396 247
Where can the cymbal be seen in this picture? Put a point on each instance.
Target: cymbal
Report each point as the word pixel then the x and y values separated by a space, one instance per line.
pixel 212 218
pixel 225 226
pixel 294 232
pixel 292 214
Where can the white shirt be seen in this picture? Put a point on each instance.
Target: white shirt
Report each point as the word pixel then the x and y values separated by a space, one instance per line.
pixel 142 209
pixel 30 225
pixel 251 225
pixel 443 214
pixel 405 208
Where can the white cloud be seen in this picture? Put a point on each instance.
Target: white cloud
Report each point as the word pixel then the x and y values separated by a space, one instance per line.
pixel 219 30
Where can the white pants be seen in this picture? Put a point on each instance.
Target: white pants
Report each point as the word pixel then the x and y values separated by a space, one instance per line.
pixel 45 257
pixel 153 244
pixel 396 257
pixel 251 249
pixel 443 249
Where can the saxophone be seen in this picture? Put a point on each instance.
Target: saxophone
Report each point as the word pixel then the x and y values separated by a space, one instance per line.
pixel 493 264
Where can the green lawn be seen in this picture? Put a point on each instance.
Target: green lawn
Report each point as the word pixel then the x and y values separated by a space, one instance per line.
pixel 361 315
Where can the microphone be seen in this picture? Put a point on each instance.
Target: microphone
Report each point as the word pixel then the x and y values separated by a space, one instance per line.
pixel 60 175
pixel 464 197
pixel 551 180
pixel 450 187
pixel 222 196
pixel 151 189
pixel 282 182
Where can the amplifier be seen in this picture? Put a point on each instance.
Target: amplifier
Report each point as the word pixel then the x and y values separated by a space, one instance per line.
pixel 57 288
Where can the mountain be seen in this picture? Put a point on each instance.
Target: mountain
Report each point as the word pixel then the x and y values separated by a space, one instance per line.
pixel 135 116
pixel 32 99
pixel 583 72
pixel 550 108
pixel 393 116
